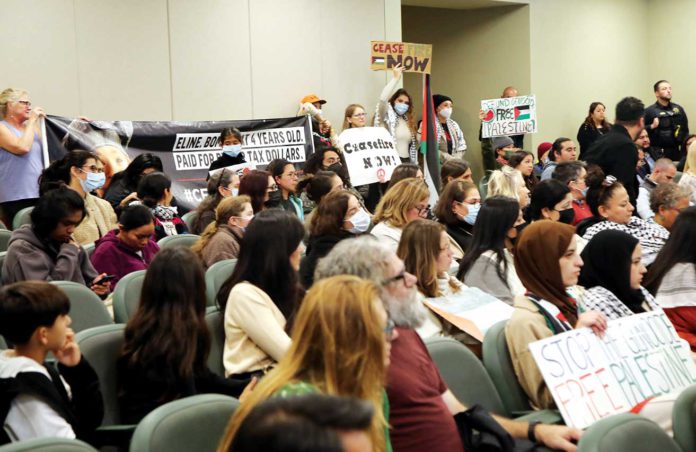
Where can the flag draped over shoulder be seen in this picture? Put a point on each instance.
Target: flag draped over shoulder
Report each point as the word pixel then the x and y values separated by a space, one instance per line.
pixel 428 144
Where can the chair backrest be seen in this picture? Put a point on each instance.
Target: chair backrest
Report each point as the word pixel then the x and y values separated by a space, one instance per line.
pixel 626 432
pixel 186 240
pixel 498 363
pixel 4 239
pixel 22 217
pixel 48 445
pixel 189 218
pixel 216 328
pixel 2 261
pixel 192 423
pixel 127 295
pixel 89 249
pixel 215 277
pixel 2 225
pixel 464 374
pixel 101 346
pixel 87 310
pixel 684 419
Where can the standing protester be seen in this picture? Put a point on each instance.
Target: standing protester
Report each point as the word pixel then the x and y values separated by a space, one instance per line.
pixel 501 147
pixel 666 122
pixel 594 126
pixel 487 152
pixel 21 158
pixel 395 113
pixel 231 142
pixel 354 116
pixel 449 134
pixel 323 133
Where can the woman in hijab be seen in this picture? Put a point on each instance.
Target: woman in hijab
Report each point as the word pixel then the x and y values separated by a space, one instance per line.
pixel 612 275
pixel 547 263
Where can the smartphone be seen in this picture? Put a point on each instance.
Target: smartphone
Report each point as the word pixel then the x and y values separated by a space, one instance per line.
pixel 105 279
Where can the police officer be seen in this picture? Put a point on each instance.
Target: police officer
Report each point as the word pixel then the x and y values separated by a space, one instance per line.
pixel 666 122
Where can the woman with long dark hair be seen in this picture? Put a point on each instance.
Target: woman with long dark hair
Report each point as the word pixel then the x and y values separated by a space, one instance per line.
pixel 155 191
pixel 488 264
pixel 672 277
pixel 523 162
pixel 124 185
pixel 260 297
pixel 395 113
pixel 222 185
pixel 259 186
pixel 167 342
pixel 594 126
pixel 286 177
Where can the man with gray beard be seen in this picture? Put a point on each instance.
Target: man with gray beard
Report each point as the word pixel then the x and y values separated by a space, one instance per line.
pixel 421 405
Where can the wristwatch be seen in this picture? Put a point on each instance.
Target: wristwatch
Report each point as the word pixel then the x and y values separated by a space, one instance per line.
pixel 530 431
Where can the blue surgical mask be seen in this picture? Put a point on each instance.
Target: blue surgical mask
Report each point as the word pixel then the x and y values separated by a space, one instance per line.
pixel 232 150
pixel 401 109
pixel 474 209
pixel 360 221
pixel 93 182
pixel 584 192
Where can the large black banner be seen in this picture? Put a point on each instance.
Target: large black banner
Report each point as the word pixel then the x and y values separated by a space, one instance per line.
pixel 186 148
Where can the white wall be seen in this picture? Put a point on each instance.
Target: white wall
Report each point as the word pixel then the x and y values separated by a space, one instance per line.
pixel 186 60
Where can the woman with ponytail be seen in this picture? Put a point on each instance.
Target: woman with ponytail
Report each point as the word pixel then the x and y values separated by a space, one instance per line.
pixel 83 172
pixel 155 191
pixel 221 238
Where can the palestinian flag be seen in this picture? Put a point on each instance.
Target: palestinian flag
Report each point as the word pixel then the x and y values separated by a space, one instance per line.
pixel 522 113
pixel 428 145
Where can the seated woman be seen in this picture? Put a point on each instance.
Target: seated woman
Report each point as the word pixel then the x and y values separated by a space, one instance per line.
pixel 165 353
pixel 130 247
pixel 457 208
pixel 314 187
pixel 611 275
pixel 285 176
pixel 259 299
pixel 222 237
pixel 455 169
pixel 667 200
pixel 609 202
pixel 547 263
pixel 405 203
pixel 83 172
pixel 523 162
pixel 672 277
pixel 509 182
pixel 338 217
pixel 488 263
pixel 427 254
pixel 155 192
pixel 551 200
pixel 45 249
pixel 341 344
pixel 124 185
pixel 220 186
pixel 258 185
pixel 331 159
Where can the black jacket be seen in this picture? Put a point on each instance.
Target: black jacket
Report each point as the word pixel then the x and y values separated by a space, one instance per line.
pixel 616 154
pixel 225 160
pixel 318 247
pixel 672 129
pixel 462 234
pixel 587 135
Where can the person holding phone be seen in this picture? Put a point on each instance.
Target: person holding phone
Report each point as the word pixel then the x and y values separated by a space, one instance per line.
pixel 46 250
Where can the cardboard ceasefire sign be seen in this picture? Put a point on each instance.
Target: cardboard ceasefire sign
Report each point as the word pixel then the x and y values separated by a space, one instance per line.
pixel 370 154
pixel 640 357
pixel 508 116
pixel 413 57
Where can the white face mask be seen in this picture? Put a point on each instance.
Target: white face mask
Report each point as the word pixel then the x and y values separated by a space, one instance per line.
pixel 446 113
pixel 360 221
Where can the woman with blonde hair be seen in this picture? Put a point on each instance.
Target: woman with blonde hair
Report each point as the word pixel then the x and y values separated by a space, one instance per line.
pixel 221 238
pixel 340 346
pixel 21 156
pixel 688 178
pixel 354 116
pixel 509 182
pixel 404 202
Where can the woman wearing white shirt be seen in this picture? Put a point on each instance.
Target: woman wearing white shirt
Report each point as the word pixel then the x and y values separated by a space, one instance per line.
pixel 395 113
pixel 404 202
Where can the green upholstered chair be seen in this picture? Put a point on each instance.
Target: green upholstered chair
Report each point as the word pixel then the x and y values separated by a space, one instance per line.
pixel 186 240
pixel 87 310
pixel 126 296
pixel 215 277
pixel 626 432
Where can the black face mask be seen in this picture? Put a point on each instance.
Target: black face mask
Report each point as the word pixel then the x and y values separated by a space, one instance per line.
pixel 340 171
pixel 566 215
pixel 274 199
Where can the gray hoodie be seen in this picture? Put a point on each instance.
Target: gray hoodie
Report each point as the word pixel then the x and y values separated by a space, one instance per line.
pixel 29 258
pixel 547 172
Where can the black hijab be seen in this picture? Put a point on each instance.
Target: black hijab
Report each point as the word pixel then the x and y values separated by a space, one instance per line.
pixel 607 263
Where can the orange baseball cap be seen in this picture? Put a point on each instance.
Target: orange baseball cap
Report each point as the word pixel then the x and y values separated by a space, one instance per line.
pixel 312 98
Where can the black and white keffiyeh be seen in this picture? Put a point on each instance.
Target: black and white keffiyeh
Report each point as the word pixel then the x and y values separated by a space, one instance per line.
pixel 600 299
pixel 651 236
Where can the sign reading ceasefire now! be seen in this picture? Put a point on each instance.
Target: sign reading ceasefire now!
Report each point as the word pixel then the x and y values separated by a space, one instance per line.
pixel 639 358
pixel 413 57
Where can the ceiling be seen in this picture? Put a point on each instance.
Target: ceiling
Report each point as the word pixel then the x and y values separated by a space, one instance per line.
pixel 463 4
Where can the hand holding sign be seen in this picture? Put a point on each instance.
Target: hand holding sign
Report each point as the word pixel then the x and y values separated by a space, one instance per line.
pixel 508 116
pixel 370 154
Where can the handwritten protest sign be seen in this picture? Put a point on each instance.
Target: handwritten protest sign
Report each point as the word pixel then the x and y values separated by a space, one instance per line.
pixel 471 310
pixel 370 154
pixel 241 169
pixel 413 57
pixel 640 357
pixel 508 116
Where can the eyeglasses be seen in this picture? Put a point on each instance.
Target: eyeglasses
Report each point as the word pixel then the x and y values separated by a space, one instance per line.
pixel 422 210
pixel 389 329
pixel 93 169
pixel 222 174
pixel 273 187
pixel 24 102
pixel 401 275
pixel 292 175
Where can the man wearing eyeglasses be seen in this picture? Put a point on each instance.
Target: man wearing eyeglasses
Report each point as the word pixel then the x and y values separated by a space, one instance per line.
pixel 421 405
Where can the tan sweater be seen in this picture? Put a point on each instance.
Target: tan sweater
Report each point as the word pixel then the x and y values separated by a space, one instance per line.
pixel 528 325
pixel 224 244
pixel 255 336
pixel 100 219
